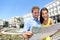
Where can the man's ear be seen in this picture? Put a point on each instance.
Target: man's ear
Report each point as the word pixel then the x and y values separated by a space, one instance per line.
pixel 38 17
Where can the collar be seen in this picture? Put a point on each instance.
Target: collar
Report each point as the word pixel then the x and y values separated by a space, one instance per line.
pixel 34 18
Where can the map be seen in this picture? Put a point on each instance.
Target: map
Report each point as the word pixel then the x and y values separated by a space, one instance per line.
pixel 41 32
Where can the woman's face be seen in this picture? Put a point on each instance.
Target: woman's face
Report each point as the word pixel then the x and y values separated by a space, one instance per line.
pixel 45 14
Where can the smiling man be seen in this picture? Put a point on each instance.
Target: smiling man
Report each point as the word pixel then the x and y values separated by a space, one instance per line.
pixel 29 23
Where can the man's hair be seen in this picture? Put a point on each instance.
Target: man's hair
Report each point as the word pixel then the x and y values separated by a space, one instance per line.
pixel 35 7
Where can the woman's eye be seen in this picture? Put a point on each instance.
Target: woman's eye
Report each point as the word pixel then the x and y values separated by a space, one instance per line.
pixel 45 13
pixel 42 13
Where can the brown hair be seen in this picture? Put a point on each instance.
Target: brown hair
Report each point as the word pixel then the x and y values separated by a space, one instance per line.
pixel 41 18
pixel 35 7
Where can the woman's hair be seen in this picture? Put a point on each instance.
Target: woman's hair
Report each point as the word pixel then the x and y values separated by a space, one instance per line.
pixel 41 18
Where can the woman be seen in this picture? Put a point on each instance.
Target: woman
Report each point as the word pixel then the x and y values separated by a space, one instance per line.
pixel 44 19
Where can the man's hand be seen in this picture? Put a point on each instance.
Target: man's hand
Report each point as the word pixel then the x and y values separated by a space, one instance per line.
pixel 29 33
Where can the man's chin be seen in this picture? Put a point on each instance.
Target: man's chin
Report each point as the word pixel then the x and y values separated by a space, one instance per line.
pixel 36 17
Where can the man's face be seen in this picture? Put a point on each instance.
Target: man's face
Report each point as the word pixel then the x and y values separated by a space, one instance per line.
pixel 35 13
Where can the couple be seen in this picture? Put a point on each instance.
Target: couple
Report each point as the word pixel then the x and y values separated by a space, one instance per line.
pixel 29 23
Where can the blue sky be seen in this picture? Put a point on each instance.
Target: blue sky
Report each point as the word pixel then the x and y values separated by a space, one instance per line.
pixel 11 8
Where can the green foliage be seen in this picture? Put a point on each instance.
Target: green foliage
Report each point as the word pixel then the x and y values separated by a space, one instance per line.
pixel 10 37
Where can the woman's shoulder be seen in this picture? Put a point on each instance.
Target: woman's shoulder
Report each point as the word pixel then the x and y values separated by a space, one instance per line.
pixel 50 19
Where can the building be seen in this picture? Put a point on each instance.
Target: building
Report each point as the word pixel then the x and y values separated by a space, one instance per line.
pixel 54 9
pixel 16 22
pixel 28 15
pixel 3 23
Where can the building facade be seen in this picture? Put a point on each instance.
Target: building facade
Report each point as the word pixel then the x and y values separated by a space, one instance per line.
pixel 54 9
pixel 27 15
pixel 16 22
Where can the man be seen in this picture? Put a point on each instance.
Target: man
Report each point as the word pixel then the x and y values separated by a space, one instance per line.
pixel 29 23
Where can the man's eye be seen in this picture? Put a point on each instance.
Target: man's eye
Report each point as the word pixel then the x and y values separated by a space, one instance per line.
pixel 37 12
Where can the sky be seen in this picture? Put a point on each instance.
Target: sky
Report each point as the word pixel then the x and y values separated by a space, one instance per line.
pixel 11 8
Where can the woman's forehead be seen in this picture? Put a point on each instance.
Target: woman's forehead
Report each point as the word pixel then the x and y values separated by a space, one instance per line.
pixel 44 11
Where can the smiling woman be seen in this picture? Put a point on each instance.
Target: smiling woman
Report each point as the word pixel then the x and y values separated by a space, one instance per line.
pixel 44 19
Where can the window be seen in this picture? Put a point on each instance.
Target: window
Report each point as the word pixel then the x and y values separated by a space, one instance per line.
pixel 51 6
pixel 54 4
pixel 58 9
pixel 57 2
pixel 55 8
pixel 56 12
pixel 51 9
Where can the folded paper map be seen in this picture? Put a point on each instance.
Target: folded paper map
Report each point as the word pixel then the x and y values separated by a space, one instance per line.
pixel 41 32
